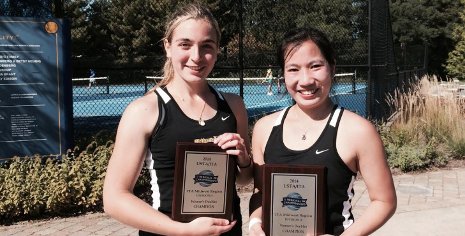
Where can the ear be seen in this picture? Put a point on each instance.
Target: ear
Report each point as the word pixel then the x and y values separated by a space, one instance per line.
pixel 333 71
pixel 218 52
pixel 167 46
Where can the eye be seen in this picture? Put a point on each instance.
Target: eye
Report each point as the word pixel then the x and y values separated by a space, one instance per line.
pixel 292 69
pixel 184 45
pixel 209 46
pixel 316 66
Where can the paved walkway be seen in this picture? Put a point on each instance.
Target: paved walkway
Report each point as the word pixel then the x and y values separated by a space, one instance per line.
pixel 431 203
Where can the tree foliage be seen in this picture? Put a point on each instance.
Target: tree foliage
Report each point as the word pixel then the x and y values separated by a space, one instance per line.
pixel 99 33
pixel 26 8
pixel 456 62
pixel 80 30
pixel 126 32
pixel 342 20
pixel 426 22
pixel 136 28
pixel 130 32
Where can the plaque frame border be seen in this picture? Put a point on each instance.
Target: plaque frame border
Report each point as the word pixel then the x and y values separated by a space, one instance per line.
pixel 319 171
pixel 178 186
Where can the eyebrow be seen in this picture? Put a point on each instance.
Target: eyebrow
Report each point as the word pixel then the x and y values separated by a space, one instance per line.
pixel 318 61
pixel 188 40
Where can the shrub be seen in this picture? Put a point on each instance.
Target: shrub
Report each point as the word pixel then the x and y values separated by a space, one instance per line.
pixel 408 155
pixel 68 184
pixel 428 130
pixel 46 186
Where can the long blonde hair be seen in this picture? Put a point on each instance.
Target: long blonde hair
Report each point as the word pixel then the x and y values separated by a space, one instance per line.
pixel 187 12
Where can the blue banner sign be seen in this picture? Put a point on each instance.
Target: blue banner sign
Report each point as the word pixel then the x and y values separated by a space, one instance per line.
pixel 35 88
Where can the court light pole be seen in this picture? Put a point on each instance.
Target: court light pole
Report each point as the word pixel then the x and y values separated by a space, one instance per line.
pixel 59 8
pixel 241 51
pixel 369 99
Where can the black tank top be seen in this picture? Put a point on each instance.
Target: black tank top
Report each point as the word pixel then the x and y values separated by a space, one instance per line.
pixel 340 179
pixel 174 126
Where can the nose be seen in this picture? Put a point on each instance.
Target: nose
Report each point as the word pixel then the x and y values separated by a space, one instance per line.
pixel 195 53
pixel 307 78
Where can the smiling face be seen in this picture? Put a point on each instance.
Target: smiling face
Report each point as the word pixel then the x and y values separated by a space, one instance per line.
pixel 308 75
pixel 193 50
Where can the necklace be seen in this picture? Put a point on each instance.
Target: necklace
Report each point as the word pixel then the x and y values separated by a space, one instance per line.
pixel 201 121
pixel 304 136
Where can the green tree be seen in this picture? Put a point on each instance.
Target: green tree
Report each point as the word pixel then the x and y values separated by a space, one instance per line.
pixel 344 23
pixel 135 28
pixel 90 35
pixel 99 37
pixel 77 13
pixel 426 22
pixel 227 14
pixel 455 65
pixel 342 20
pixel 27 8
pixel 130 32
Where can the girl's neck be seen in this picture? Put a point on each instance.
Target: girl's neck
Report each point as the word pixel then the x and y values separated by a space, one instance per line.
pixel 189 91
pixel 318 113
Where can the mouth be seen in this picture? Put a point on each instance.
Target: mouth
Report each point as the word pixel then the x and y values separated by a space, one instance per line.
pixel 309 91
pixel 195 68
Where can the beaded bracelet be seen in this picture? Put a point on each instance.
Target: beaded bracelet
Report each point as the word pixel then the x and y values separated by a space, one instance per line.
pixel 243 167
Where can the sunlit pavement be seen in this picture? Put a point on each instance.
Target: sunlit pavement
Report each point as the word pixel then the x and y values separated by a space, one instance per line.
pixel 430 203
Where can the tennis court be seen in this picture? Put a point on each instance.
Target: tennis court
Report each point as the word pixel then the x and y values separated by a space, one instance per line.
pixel 108 100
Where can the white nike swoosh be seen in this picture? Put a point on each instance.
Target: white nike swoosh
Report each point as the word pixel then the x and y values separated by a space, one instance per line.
pixel 319 152
pixel 225 118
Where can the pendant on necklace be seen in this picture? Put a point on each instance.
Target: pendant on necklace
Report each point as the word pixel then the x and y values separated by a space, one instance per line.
pixel 304 137
pixel 201 121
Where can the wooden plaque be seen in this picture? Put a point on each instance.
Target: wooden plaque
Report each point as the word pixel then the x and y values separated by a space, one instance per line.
pixel 293 200
pixel 203 183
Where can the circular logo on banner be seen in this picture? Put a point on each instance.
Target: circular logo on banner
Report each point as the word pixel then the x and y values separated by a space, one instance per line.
pixel 51 27
pixel 294 201
pixel 205 178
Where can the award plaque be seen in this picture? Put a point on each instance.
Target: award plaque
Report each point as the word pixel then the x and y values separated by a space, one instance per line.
pixel 293 200
pixel 203 182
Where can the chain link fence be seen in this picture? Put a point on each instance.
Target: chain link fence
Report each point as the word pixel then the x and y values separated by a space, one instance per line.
pixel 121 42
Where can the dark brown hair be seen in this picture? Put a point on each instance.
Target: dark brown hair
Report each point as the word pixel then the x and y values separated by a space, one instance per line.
pixel 293 39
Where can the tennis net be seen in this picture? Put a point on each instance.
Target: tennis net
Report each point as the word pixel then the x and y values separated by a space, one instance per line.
pixel 252 85
pixel 94 85
pixel 344 83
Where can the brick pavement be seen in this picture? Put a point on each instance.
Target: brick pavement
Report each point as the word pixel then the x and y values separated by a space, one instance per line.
pixel 430 203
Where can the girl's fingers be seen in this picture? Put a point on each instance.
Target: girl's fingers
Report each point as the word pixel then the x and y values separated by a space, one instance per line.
pixel 234 145
pixel 228 140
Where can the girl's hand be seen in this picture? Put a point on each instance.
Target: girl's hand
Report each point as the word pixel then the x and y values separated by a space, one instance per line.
pixel 235 141
pixel 203 226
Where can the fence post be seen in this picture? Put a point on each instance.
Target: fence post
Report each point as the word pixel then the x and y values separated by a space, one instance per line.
pixel 370 90
pixel 241 52
pixel 59 8
pixel 354 89
pixel 108 85
pixel 145 85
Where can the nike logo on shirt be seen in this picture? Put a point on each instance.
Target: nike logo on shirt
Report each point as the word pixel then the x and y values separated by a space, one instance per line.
pixel 225 118
pixel 319 152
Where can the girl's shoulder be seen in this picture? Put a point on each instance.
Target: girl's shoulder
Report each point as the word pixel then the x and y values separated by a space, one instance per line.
pixel 233 100
pixel 354 124
pixel 149 101
pixel 268 121
pixel 143 108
